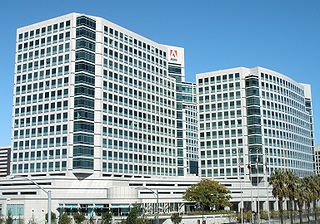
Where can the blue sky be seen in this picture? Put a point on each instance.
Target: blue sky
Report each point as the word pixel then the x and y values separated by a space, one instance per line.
pixel 280 35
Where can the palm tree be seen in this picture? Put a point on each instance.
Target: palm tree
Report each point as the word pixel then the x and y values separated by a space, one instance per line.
pixel 310 193
pixel 291 189
pixel 278 182
pixel 316 188
pixel 300 197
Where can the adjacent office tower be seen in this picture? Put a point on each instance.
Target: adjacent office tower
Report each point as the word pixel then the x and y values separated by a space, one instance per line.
pixel 253 118
pixel 91 97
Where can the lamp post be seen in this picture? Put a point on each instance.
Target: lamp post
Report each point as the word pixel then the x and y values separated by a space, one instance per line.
pixel 156 192
pixel 48 192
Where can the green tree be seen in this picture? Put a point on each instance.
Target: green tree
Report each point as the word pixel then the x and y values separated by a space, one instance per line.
pixel 9 219
pixel 106 218
pixel 133 215
pixel 53 217
pixel 315 185
pixel 291 190
pixel 310 193
pixel 176 218
pixel 208 194
pixel 300 197
pixel 79 217
pixel 91 220
pixel 278 182
pixel 64 219
pixel 142 220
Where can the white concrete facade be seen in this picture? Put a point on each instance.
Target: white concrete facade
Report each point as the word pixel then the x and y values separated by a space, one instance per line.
pixel 92 195
pixel 96 195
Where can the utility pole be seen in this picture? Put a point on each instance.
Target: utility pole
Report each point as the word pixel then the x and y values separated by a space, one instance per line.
pixel 156 192
pixel 48 192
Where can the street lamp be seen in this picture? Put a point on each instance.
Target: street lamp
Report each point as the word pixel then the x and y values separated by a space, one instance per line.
pixel 156 192
pixel 48 192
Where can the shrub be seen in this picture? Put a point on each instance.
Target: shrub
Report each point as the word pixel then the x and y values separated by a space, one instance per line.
pixel 274 214
pixel 263 214
pixel 9 219
pixel 210 212
pixel 246 216
pixel 176 218
pixel 53 217
pixel 79 217
pixel 64 219
pixel 106 218
pixel 91 220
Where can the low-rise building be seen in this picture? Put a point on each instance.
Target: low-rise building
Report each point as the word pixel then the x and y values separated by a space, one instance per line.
pixel 5 160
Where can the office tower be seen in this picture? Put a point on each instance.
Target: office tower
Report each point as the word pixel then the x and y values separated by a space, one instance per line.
pixel 4 160
pixel 317 159
pixel 91 97
pixel 102 117
pixel 252 122
pixel 254 117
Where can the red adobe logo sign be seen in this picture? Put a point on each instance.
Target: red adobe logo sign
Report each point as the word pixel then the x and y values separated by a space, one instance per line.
pixel 174 53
